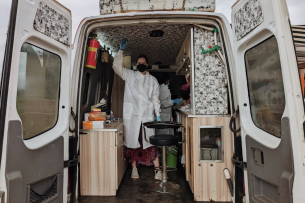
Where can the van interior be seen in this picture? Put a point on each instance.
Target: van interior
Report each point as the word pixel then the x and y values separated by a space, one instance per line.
pixel 161 51
pixel 180 50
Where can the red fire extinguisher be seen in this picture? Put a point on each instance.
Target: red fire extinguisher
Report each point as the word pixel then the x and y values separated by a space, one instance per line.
pixel 92 53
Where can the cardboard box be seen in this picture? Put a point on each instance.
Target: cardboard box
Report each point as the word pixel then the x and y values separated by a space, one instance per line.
pixel 88 125
pixel 155 67
pixel 86 116
pixel 94 117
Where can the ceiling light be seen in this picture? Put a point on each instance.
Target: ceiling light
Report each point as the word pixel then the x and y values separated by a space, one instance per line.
pixel 156 33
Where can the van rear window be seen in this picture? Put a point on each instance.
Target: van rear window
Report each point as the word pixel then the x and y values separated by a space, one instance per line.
pixel 265 86
pixel 38 90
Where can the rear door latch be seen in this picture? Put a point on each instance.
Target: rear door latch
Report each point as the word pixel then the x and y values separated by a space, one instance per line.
pixel 239 164
pixel 72 162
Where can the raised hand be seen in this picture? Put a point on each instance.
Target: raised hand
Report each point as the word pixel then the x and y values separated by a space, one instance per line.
pixel 123 44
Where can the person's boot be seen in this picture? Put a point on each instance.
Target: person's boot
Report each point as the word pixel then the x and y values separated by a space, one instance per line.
pixel 158 175
pixel 134 173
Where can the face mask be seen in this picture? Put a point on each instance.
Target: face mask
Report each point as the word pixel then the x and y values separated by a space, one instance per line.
pixel 141 67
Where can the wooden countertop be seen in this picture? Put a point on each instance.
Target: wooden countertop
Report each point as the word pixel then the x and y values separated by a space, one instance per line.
pixel 114 126
pixel 190 115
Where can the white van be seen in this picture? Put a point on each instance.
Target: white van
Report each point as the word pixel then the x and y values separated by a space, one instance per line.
pixel 244 88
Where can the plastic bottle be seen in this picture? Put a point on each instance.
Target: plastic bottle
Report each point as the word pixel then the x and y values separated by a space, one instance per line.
pixel 96 110
pixel 111 116
pixel 218 143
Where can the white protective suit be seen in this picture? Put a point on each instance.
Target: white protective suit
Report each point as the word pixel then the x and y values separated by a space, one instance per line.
pixel 166 108
pixel 141 99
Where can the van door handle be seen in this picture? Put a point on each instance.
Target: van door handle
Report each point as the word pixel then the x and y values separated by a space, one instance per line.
pixel 257 156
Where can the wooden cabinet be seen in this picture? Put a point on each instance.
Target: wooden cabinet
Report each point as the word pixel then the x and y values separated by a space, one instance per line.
pixel 190 146
pixel 188 150
pixel 121 162
pixel 102 162
pixel 184 145
pixel 209 181
pixel 206 178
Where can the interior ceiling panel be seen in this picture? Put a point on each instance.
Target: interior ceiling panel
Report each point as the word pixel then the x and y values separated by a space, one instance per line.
pixel 158 49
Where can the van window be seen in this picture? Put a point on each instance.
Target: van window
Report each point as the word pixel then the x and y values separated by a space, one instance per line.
pixel 38 90
pixel 265 85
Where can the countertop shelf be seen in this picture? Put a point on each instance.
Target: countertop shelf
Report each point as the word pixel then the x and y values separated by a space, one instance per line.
pixel 190 115
pixel 113 126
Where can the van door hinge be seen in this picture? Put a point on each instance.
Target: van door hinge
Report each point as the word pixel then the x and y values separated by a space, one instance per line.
pixel 72 162
pixel 1 196
pixel 239 164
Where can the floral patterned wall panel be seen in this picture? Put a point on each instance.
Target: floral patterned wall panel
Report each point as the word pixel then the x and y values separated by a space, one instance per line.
pixel 247 18
pixel 210 80
pixel 51 23
pixel 112 6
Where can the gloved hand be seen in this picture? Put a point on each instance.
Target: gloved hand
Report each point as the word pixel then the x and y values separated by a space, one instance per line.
pixel 159 118
pixel 123 44
pixel 177 101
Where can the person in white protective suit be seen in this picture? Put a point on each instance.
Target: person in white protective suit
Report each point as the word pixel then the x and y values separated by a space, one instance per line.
pixel 141 101
pixel 166 102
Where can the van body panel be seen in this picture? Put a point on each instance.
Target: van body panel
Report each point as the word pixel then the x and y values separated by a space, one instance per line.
pixel 27 172
pixel 38 97
pixel 262 27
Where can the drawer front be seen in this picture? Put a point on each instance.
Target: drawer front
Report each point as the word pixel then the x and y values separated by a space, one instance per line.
pixel 119 137
pixel 121 161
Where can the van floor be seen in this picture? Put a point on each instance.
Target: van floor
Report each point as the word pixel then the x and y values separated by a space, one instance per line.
pixel 138 190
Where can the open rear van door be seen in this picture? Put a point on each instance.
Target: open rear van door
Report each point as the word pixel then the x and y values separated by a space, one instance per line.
pixel 35 103
pixel 270 102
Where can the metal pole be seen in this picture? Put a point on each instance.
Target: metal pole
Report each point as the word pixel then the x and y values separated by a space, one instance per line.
pixel 164 172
